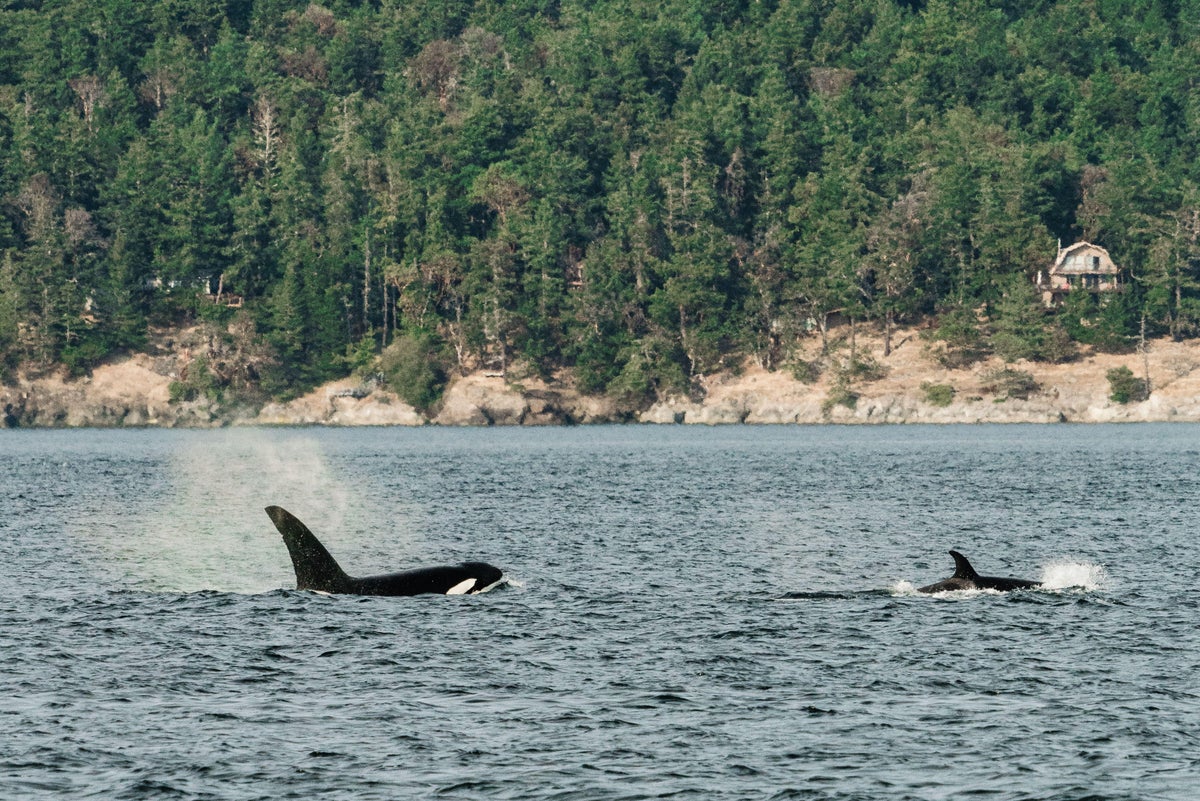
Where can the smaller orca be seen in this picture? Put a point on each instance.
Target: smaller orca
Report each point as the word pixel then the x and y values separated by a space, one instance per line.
pixel 965 578
pixel 317 570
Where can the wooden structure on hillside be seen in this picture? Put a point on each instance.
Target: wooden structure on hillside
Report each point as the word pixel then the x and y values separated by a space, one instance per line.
pixel 1079 267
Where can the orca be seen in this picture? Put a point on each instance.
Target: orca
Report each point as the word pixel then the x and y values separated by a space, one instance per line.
pixel 317 570
pixel 965 578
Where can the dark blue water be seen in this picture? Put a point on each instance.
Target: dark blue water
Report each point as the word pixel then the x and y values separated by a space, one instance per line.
pixel 695 613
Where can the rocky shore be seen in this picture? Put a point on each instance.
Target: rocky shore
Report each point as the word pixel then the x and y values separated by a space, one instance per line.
pixel 135 391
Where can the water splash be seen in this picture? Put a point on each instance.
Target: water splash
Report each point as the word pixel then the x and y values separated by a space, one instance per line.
pixel 1074 575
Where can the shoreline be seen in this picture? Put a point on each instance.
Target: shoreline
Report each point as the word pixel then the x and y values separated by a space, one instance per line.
pixel 133 392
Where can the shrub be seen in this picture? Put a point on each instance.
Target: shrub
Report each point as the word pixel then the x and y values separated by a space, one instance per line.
pixel 839 395
pixel 196 380
pixel 938 394
pixel 633 386
pixel 806 372
pixel 962 342
pixel 412 371
pixel 360 355
pixel 1010 383
pixel 597 362
pixel 650 374
pixel 865 368
pixel 1058 347
pixel 1125 387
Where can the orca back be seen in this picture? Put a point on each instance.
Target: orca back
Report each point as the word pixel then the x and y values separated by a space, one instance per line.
pixel 965 578
pixel 464 579
pixel 317 570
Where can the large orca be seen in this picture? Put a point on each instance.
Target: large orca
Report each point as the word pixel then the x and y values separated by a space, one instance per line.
pixel 965 578
pixel 317 570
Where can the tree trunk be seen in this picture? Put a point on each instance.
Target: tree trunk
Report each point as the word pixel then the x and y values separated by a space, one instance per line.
pixel 1175 336
pixel 366 314
pixel 853 342
pixel 1145 354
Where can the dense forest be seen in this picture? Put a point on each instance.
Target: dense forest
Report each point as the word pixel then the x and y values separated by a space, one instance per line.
pixel 643 192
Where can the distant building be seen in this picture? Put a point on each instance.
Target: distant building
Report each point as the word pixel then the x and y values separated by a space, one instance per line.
pixel 1080 267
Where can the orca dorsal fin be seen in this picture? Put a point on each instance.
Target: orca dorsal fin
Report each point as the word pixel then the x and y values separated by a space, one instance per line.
pixel 962 568
pixel 315 568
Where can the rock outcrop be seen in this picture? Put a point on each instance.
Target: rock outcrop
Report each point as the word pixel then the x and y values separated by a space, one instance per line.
pixel 341 403
pixel 125 394
pixel 136 392
pixel 482 399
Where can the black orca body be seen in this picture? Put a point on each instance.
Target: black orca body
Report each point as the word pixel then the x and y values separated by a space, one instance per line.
pixel 965 578
pixel 317 570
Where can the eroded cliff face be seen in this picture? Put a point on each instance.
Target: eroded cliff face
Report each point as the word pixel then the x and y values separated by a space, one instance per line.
pixel 128 393
pixel 491 400
pixel 136 392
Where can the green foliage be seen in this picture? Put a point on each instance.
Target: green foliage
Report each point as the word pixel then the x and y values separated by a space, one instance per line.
pixel 361 355
pixel 963 342
pixel 643 193
pixel 411 370
pixel 863 368
pixel 196 381
pixel 937 394
pixel 1125 387
pixel 231 366
pixel 806 372
pixel 1019 330
pixel 1109 322
pixel 9 318
pixel 840 394
pixel 1006 382
pixel 84 352
pixel 1116 324
pixel 1058 347
pixel 647 376
pixel 597 362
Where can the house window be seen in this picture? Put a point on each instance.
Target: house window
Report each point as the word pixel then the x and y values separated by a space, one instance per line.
pixel 1096 263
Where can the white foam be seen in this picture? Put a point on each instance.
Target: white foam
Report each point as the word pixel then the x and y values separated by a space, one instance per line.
pixel 1074 575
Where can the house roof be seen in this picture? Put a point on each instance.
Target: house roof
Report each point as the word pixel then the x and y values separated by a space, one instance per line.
pixel 1074 259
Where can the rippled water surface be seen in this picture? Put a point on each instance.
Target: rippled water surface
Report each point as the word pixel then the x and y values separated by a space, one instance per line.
pixel 693 613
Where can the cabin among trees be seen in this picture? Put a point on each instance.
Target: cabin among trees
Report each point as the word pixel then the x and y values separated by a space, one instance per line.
pixel 1082 266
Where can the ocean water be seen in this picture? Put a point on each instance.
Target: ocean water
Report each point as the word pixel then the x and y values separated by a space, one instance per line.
pixel 691 613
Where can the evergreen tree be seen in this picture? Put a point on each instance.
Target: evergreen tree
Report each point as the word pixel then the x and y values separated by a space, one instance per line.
pixel 641 192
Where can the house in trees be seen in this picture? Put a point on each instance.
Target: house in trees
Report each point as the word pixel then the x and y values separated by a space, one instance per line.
pixel 1082 267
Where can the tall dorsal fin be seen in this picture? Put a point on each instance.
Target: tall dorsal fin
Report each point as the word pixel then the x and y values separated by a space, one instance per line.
pixel 315 568
pixel 962 568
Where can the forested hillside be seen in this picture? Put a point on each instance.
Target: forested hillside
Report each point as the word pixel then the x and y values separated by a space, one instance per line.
pixel 641 191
